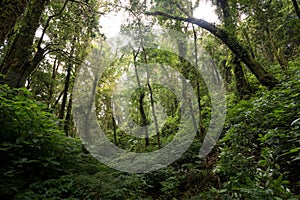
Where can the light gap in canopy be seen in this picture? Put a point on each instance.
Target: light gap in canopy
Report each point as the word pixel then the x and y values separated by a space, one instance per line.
pixel 112 21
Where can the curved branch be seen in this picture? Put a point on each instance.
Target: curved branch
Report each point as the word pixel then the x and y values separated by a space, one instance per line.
pixel 49 20
pixel 231 42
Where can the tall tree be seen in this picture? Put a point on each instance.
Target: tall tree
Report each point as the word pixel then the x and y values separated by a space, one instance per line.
pixel 24 54
pixel 144 121
pixel 17 64
pixel 242 85
pixel 232 43
pixel 10 11
pixel 272 27
pixel 151 93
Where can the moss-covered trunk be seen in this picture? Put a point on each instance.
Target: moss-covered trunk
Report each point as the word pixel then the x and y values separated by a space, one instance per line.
pixel 10 11
pixel 19 62
pixel 233 44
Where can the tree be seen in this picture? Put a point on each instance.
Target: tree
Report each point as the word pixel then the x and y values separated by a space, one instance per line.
pixel 232 43
pixel 242 85
pixel 25 51
pixel 18 63
pixel 144 121
pixel 272 27
pixel 296 6
pixel 47 62
pixel 10 11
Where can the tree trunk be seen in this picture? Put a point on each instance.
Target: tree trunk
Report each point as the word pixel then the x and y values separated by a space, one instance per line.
pixel 152 101
pixel 141 103
pixel 226 14
pixel 276 52
pixel 10 11
pixel 296 6
pixel 252 51
pixel 227 73
pixel 154 114
pixel 114 129
pixel 182 47
pixel 143 117
pixel 67 83
pixel 242 86
pixel 52 84
pixel 68 120
pixel 202 129
pixel 65 95
pixel 233 44
pixel 18 63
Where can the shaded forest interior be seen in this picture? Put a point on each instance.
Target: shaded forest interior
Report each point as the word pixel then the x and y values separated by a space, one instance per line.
pixel 61 82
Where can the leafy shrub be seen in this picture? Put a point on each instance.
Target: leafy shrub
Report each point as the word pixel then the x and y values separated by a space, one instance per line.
pixel 32 146
pixel 259 156
pixel 38 161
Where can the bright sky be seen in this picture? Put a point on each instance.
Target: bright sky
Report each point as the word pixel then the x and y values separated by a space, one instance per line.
pixel 206 11
pixel 112 21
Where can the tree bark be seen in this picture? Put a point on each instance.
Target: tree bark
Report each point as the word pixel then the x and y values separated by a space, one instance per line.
pixel 232 43
pixel 182 47
pixel 52 83
pixel 68 120
pixel 227 73
pixel 61 114
pixel 226 14
pixel 10 11
pixel 202 129
pixel 152 100
pixel 242 86
pixel 18 63
pixel 153 113
pixel 114 129
pixel 65 95
pixel 141 102
pixel 296 7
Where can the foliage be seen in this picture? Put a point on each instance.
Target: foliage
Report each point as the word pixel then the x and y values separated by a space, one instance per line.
pixel 107 184
pixel 32 146
pixel 260 152
pixel 258 156
pixel 39 162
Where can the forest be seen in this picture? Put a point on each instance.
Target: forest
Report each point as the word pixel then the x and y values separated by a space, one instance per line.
pixel 173 106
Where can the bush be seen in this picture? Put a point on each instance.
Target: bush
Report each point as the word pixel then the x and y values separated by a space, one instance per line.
pixel 32 146
pixel 38 161
pixel 260 152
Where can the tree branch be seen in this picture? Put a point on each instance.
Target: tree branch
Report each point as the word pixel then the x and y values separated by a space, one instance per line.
pixel 231 42
pixel 48 23
pixel 182 9
pixel 218 32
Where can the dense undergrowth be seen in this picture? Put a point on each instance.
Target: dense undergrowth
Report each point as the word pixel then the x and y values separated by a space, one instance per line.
pixel 260 152
pixel 258 156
